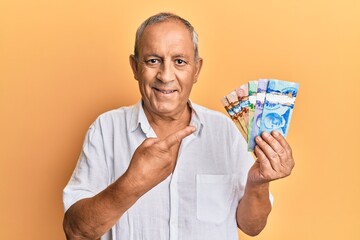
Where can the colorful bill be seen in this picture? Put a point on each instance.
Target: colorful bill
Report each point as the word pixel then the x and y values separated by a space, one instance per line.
pixel 278 107
pixel 260 98
pixel 242 93
pixel 232 106
pixel 252 85
pixel 261 105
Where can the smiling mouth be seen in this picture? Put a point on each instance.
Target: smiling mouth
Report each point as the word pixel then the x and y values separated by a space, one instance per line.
pixel 165 91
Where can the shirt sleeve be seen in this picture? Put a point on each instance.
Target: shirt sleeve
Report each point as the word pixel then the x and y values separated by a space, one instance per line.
pixel 91 173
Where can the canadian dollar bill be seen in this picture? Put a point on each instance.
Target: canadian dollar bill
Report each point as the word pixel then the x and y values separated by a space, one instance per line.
pixel 227 107
pixel 259 104
pixel 232 105
pixel 242 93
pixel 278 106
pixel 252 86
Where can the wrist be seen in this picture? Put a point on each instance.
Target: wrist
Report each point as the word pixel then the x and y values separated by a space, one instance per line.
pixel 258 189
pixel 130 185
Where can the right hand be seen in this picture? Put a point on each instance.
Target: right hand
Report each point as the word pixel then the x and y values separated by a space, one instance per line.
pixel 155 159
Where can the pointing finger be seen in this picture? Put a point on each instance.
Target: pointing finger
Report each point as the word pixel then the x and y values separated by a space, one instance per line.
pixel 177 137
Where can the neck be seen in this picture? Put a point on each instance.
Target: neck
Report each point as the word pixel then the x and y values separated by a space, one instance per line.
pixel 166 125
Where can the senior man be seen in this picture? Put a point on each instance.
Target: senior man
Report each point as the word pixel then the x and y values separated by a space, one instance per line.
pixel 167 168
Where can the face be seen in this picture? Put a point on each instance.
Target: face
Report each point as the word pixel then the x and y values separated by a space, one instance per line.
pixel 166 68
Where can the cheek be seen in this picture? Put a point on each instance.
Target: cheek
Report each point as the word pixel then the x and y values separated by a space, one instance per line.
pixel 146 76
pixel 186 86
pixel 186 79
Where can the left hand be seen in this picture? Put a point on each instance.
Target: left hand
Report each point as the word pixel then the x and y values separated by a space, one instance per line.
pixel 274 158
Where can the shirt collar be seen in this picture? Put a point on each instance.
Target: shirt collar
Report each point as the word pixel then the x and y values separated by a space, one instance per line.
pixel 196 119
pixel 138 118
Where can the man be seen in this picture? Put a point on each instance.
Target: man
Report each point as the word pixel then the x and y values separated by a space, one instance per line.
pixel 167 168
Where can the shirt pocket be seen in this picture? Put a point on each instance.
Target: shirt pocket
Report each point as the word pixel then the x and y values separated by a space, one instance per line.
pixel 214 196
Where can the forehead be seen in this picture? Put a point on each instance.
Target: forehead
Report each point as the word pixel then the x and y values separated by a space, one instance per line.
pixel 166 35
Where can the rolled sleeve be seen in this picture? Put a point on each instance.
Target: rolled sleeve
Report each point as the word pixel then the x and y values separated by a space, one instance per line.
pixel 91 172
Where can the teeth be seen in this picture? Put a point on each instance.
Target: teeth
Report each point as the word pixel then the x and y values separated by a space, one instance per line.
pixel 166 92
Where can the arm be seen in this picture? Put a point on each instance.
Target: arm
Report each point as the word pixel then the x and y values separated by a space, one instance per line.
pixel 274 161
pixel 90 218
pixel 151 163
pixel 253 209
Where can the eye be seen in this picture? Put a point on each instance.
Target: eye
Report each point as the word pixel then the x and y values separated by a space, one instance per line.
pixel 180 62
pixel 152 61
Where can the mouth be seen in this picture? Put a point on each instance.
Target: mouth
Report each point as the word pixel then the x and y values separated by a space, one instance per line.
pixel 164 91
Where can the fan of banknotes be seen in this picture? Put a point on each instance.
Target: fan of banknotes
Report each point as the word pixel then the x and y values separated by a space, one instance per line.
pixel 261 105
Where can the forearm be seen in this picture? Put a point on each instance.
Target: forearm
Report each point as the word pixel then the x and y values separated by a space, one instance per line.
pixel 92 217
pixel 253 209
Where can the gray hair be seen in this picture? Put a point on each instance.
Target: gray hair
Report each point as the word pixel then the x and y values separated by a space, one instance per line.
pixel 161 17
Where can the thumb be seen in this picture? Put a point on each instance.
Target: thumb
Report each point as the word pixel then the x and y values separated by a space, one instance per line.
pixel 150 141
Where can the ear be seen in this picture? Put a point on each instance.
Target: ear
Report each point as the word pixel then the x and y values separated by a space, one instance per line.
pixel 134 67
pixel 198 65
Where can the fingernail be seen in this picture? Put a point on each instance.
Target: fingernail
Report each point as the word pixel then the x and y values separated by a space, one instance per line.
pixel 275 133
pixel 193 128
pixel 266 134
pixel 258 139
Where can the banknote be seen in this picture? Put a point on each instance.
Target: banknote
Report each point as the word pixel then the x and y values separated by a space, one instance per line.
pixel 243 97
pixel 278 106
pixel 260 97
pixel 261 105
pixel 252 86
pixel 234 103
pixel 227 106
pixel 232 106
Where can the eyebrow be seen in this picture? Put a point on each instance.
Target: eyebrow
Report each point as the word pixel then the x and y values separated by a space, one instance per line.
pixel 151 55
pixel 158 56
pixel 181 56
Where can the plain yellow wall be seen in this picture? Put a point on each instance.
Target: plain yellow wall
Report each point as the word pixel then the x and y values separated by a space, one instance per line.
pixel 62 63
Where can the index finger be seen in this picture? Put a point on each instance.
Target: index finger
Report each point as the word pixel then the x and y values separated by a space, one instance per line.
pixel 175 138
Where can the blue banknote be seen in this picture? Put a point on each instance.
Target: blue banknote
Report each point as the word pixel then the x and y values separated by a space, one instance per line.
pixel 260 97
pixel 278 106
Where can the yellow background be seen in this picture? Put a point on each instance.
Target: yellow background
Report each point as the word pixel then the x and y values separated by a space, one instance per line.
pixel 62 63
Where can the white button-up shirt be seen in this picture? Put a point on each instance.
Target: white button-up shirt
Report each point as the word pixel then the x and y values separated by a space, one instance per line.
pixel 197 201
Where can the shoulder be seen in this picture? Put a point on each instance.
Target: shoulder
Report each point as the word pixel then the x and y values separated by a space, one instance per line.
pixel 119 114
pixel 116 119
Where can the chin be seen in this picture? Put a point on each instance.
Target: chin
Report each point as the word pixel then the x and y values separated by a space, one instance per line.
pixel 166 108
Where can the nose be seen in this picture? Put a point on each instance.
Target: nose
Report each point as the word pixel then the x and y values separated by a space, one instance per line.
pixel 166 73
